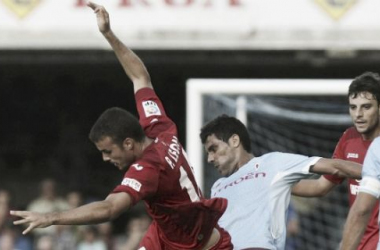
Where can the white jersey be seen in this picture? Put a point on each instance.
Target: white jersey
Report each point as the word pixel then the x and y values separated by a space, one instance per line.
pixel 370 182
pixel 258 197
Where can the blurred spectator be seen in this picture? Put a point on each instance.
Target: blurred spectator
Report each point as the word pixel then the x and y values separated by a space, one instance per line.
pixel 91 239
pixel 292 228
pixel 48 201
pixel 12 239
pixel 45 242
pixel 74 199
pixel 135 230
pixel 7 240
pixel 4 208
pixel 105 234
pixel 10 236
pixel 67 236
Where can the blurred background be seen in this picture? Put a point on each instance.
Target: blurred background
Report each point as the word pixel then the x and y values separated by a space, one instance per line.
pixel 57 74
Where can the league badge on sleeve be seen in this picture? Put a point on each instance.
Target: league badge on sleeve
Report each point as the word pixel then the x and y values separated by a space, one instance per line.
pixel 151 108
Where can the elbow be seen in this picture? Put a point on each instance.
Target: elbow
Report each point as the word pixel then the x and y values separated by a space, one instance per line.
pixel 108 213
pixel 362 211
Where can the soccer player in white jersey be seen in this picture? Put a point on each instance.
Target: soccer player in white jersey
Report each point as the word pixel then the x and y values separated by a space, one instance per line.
pixel 258 189
pixel 368 196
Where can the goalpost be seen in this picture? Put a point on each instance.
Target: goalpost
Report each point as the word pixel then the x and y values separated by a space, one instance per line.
pixel 198 88
pixel 305 116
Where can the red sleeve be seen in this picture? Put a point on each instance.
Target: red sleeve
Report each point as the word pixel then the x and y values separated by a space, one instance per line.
pixel 338 154
pixel 140 181
pixel 152 114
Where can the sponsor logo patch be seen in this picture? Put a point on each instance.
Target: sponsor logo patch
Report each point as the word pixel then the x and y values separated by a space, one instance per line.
pixel 352 155
pixel 132 183
pixel 336 8
pixel 354 189
pixel 21 7
pixel 151 108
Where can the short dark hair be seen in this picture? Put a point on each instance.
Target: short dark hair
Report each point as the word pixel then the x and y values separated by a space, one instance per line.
pixel 223 127
pixel 118 124
pixel 366 82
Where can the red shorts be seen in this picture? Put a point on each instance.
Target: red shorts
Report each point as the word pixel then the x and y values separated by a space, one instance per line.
pixel 152 241
pixel 224 242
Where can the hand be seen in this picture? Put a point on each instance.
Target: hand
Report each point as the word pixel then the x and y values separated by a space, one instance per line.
pixel 35 220
pixel 101 16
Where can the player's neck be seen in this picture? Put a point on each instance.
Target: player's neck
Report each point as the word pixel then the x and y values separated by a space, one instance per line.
pixel 147 141
pixel 245 158
pixel 141 146
pixel 372 135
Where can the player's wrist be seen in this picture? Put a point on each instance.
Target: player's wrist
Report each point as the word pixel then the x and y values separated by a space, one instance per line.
pixel 52 219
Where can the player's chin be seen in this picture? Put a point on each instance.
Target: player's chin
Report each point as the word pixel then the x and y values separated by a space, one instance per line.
pixel 122 167
pixel 223 172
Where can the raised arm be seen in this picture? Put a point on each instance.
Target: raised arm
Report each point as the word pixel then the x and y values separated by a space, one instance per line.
pixel 313 188
pixel 132 64
pixel 341 168
pixel 92 213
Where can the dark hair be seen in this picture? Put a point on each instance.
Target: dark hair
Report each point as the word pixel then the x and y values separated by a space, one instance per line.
pixel 118 124
pixel 367 82
pixel 223 127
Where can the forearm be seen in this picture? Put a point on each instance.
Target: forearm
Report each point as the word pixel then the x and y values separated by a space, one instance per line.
pixel 131 63
pixel 347 169
pixel 306 188
pixel 313 187
pixel 354 229
pixel 92 213
pixel 341 168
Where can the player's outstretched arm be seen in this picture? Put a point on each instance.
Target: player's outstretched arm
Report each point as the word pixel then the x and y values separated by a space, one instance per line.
pixel 92 213
pixel 357 220
pixel 341 168
pixel 132 64
pixel 313 188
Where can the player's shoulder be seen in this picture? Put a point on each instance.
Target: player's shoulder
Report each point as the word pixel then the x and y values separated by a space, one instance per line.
pixel 274 156
pixel 271 155
pixel 351 133
pixel 218 182
pixel 376 142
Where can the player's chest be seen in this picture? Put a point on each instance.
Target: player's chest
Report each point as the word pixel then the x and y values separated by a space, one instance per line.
pixel 355 153
pixel 241 185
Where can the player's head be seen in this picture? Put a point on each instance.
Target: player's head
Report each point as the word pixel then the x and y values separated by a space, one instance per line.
pixel 116 134
pixel 364 104
pixel 226 141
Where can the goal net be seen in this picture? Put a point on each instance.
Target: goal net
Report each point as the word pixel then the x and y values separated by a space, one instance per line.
pixel 300 116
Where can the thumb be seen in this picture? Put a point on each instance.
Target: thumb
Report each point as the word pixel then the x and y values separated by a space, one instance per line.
pixel 92 5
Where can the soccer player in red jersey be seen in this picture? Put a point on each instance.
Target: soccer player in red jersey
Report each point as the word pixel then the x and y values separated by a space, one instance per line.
pixel 364 108
pixel 157 170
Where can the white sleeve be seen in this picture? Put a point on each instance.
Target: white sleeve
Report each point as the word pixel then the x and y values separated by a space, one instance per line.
pixel 370 186
pixel 370 182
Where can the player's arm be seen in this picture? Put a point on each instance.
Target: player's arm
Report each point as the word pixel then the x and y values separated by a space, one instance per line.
pixel 132 64
pixel 341 168
pixel 357 220
pixel 92 213
pixel 313 188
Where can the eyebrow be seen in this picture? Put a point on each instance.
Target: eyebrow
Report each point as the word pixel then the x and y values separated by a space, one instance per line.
pixel 212 147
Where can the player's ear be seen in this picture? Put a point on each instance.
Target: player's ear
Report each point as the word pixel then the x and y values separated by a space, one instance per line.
pixel 234 140
pixel 128 143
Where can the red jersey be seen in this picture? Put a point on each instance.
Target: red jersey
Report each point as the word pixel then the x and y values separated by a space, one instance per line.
pixel 163 178
pixel 352 147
